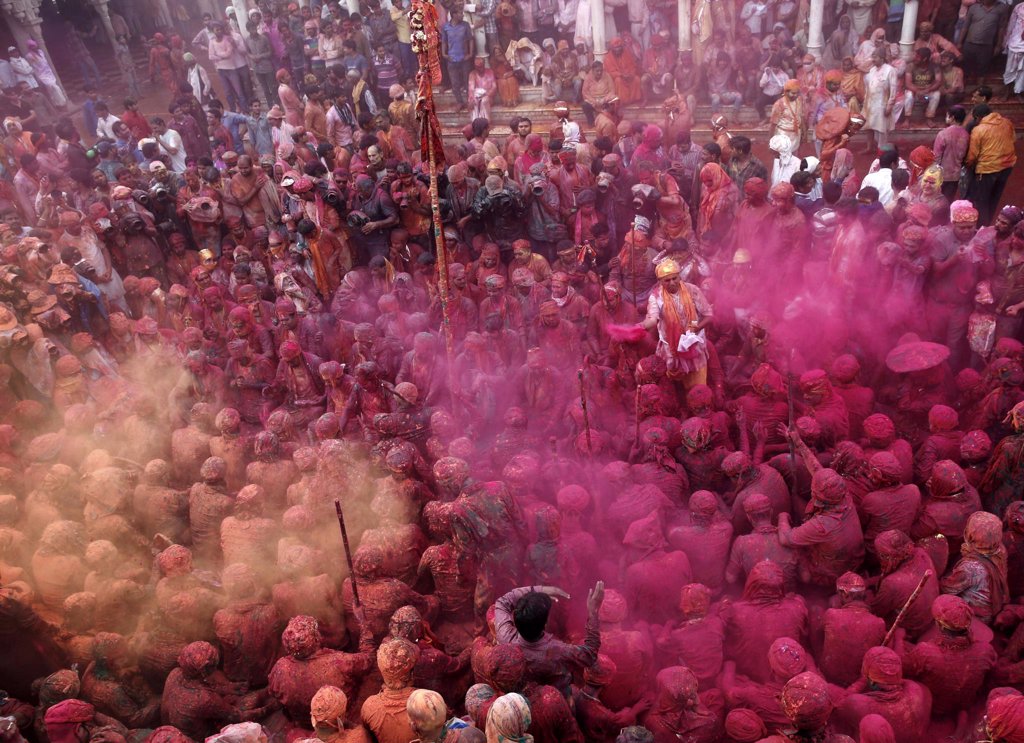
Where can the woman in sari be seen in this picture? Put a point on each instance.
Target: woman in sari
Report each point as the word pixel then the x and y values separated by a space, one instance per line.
pixel 844 172
pixel 508 85
pixel 842 43
pixel 717 207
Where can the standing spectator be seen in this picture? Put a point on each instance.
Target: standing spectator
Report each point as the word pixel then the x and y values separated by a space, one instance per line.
pixel 456 38
pixel 197 78
pixel 105 121
pixel 1014 48
pixel 262 57
pixel 400 17
pixel 991 154
pixel 135 121
pixel 160 63
pixel 950 149
pixel 983 33
pixel 880 88
pixel 44 74
pixel 385 69
pixel 293 109
pixel 126 64
pixel 22 69
pixel 482 87
pixel 223 54
pixel 192 135
pixel 78 51
pixel 170 144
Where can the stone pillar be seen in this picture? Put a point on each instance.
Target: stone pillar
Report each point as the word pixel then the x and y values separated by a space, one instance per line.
pixel 909 29
pixel 815 39
pixel 598 28
pixel 24 23
pixel 353 6
pixel 241 15
pixel 104 13
pixel 684 23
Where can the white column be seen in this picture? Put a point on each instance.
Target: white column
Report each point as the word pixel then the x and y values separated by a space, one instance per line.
pixel 104 14
pixel 683 20
pixel 909 30
pixel 241 15
pixel 597 28
pixel 815 39
pixel 22 32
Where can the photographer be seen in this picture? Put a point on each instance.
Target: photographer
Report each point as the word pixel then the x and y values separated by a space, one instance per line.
pixel 500 210
pixel 412 198
pixel 543 222
pixel 371 219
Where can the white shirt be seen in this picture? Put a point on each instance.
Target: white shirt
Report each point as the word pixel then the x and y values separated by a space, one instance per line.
pixel 105 126
pixel 881 179
pixel 173 139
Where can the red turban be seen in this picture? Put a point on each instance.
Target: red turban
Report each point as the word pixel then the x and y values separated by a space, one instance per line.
pixel 806 702
pixel 1006 719
pixel 766 381
pixel 887 466
pixel 828 487
pixel 845 368
pixel 289 350
pixel 879 428
pixel 876 729
pixel 744 726
pixel 952 612
pixel 704 503
pixel 787 658
pixel 882 665
pixel 942 418
pixel 755 188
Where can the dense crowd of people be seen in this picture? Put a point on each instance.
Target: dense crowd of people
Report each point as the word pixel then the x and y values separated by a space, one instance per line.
pixel 667 444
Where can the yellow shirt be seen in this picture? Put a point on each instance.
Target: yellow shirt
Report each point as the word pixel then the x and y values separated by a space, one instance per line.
pixel 401 20
pixel 991 148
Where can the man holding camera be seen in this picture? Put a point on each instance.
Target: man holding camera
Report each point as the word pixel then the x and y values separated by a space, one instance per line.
pixel 570 179
pixel 412 197
pixel 372 217
pixel 500 209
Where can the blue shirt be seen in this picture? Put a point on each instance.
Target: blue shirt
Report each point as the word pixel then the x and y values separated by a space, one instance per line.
pixel 232 121
pixel 260 134
pixel 457 36
pixel 89 114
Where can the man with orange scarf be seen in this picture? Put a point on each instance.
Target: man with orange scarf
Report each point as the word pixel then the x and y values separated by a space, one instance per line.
pixel 680 312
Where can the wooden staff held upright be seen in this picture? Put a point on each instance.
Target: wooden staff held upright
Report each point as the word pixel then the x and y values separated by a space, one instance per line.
pixel 348 552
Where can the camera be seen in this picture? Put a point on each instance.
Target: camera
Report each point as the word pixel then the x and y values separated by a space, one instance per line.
pixel 159 191
pixel 537 186
pixel 333 198
pixel 357 220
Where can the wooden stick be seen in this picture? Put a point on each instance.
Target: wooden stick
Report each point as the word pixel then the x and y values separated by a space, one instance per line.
pixel 586 415
pixel 348 552
pixel 906 607
pixel 636 435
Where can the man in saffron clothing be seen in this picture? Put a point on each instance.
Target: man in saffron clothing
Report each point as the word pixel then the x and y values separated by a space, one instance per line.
pixel 680 312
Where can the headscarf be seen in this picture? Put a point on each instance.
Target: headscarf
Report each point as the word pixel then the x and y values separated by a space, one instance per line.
pixel 767 382
pixel 952 613
pixel 883 668
pixel 983 541
pixel 755 188
pixel 396 658
pixel 893 548
pixel 920 158
pixel 1006 719
pixel 328 706
pixel 301 638
pixel 63 719
pixel 508 720
pixel 879 429
pixel 842 164
pixel 786 658
pixel 715 189
pixel 504 666
pixel 476 697
pixel 942 418
pixel 828 487
pixel 765 584
pixel 240 732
